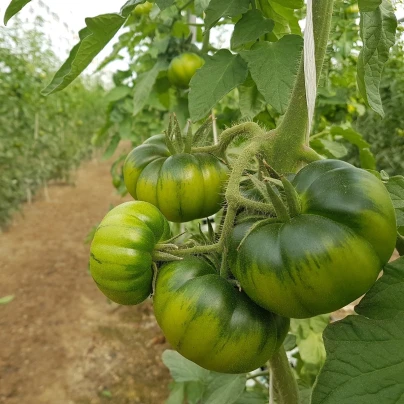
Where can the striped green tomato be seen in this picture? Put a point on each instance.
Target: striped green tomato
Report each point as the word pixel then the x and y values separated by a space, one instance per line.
pixel 121 251
pixel 325 257
pixel 210 322
pixel 183 67
pixel 183 186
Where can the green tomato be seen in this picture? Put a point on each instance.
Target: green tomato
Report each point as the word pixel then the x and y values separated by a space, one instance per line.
pixel 183 186
pixel 143 9
pixel 325 257
pixel 354 9
pixel 121 251
pixel 183 67
pixel 212 323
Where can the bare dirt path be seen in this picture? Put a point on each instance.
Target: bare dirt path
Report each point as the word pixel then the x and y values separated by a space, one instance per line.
pixel 60 340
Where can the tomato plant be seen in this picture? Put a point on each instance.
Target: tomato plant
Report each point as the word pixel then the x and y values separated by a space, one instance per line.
pixel 40 139
pixel 122 249
pixel 298 234
pixel 182 68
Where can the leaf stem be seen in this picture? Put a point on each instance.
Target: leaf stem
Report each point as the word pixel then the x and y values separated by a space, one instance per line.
pixel 248 129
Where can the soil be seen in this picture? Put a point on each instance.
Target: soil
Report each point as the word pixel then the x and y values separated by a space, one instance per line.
pixel 61 342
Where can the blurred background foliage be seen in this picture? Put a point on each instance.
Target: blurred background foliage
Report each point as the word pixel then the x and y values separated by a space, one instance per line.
pixel 41 139
pixel 344 127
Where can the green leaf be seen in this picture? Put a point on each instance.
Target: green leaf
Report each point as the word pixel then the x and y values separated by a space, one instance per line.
pixel 368 5
pixel 309 338
pixel 223 388
pixel 177 393
pixel 180 30
pixel 163 4
pixel 378 30
pixel 395 186
pixel 13 8
pixel 144 85
pixel 93 38
pixel 334 149
pixel 365 354
pixel 183 370
pixel 290 3
pixel 367 158
pixel 290 342
pixel 201 6
pixel 285 20
pixel 252 397
pixel 6 299
pixel 251 101
pixel 221 73
pixel 273 67
pixel 99 31
pixel 113 144
pixel 117 93
pixel 194 392
pixel 385 301
pixel 250 27
pixel 125 129
pixel 228 8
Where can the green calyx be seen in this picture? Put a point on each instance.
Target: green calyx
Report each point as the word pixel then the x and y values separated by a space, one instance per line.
pixel 178 143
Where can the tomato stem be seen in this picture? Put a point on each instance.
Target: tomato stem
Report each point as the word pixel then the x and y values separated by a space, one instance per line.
pixel 284 152
pixel 199 249
pixel 224 270
pixel 165 257
pixel 247 129
pixel 258 374
pixel 284 381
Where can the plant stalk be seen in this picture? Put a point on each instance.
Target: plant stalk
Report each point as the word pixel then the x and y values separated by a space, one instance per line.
pixel 284 153
pixel 284 381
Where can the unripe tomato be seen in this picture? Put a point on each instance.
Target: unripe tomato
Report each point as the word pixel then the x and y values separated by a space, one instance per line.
pixel 183 186
pixel 121 251
pixel 210 322
pixel 183 67
pixel 143 9
pixel 325 257
pixel 354 9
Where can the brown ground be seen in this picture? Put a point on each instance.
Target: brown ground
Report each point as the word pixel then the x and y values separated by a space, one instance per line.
pixel 60 340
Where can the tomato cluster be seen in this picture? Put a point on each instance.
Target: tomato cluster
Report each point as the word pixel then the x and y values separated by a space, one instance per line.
pixel 326 253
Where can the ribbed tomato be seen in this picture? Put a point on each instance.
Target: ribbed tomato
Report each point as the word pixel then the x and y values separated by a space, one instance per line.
pixel 210 322
pixel 325 257
pixel 121 251
pixel 183 186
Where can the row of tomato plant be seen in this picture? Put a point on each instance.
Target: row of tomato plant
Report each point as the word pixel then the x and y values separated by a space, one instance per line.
pixel 41 139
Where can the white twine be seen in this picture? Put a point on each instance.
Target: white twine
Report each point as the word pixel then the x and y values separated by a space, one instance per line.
pixel 310 75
